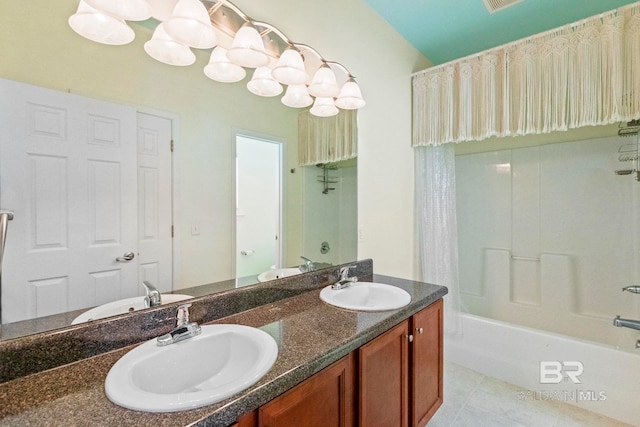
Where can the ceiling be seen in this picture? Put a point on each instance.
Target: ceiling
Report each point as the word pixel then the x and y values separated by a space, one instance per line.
pixel 444 30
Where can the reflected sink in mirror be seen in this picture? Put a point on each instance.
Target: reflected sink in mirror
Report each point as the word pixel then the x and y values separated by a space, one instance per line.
pixel 123 306
pixel 366 296
pixel 278 273
pixel 220 362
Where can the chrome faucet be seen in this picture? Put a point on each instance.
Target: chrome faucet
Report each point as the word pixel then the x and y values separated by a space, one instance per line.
pixel 153 298
pixel 183 330
pixel 307 266
pixel 344 280
pixel 627 323
pixel 633 289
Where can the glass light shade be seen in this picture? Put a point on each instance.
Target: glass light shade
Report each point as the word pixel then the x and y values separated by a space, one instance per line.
pixel 163 48
pixel 324 83
pixel 263 84
pixel 247 48
pixel 350 97
pixel 297 96
pixel 221 69
pixel 100 27
pixel 190 25
pixel 324 107
pixel 290 68
pixel 130 10
pixel 162 9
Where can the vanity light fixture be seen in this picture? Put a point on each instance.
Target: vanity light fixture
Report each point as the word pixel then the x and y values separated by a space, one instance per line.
pixel 324 83
pixel 263 84
pixel 100 27
pixel 189 24
pixel 290 68
pixel 221 69
pixel 297 96
pixel 165 49
pixel 238 42
pixel 350 97
pixel 247 49
pixel 324 107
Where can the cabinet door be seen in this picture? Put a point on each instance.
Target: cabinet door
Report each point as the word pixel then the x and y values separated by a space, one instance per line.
pixel 426 364
pixel 324 400
pixel 384 379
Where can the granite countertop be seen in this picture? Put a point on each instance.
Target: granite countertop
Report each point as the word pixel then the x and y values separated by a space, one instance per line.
pixel 310 334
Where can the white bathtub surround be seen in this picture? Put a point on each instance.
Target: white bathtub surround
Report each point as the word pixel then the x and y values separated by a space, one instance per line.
pixel 549 236
pixel 436 224
pixel 511 353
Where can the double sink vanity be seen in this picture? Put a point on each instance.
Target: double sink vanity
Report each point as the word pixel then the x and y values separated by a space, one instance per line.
pixel 293 351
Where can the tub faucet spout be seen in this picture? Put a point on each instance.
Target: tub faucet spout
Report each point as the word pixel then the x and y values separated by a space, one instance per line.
pixel 626 323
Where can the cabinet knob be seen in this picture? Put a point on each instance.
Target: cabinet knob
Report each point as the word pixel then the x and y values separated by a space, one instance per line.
pixel 410 338
pixel 420 330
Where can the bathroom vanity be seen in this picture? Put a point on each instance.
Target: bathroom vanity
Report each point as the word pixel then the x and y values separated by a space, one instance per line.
pixel 334 366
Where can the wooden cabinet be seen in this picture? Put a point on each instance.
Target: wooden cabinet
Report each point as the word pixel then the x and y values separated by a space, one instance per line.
pixel 400 373
pixel 324 400
pixel 398 381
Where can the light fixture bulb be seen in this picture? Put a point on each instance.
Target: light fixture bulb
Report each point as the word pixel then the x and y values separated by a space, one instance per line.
pixel 297 96
pixel 247 48
pixel 190 24
pixel 162 9
pixel 263 84
pixel 221 69
pixel 324 83
pixel 163 48
pixel 290 68
pixel 129 10
pixel 350 97
pixel 99 26
pixel 324 107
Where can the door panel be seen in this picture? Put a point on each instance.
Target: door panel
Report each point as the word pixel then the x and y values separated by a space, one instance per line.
pixel 68 170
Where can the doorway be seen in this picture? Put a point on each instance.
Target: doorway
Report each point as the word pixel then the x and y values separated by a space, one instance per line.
pixel 258 204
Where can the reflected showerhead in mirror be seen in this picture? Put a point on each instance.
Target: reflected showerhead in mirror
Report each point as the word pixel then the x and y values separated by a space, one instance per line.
pixel 165 49
pixel 221 69
pixel 263 84
pixel 100 27
pixel 189 24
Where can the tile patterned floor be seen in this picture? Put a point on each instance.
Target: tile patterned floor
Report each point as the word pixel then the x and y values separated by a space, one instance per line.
pixel 475 400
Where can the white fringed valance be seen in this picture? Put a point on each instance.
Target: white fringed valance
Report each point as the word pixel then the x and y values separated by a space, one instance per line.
pixel 582 74
pixel 327 139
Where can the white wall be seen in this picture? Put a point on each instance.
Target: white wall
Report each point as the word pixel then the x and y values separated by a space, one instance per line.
pixel 548 237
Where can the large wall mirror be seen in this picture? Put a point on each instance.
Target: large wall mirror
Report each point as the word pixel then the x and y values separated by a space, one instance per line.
pixel 204 119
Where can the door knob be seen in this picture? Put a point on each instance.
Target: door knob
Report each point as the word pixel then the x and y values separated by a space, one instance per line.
pixel 420 330
pixel 128 256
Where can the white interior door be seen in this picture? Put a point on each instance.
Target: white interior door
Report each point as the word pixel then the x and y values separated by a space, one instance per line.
pixel 68 170
pixel 258 204
pixel 154 201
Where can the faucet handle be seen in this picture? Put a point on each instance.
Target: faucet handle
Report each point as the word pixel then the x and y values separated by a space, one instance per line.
pixel 633 289
pixel 344 271
pixel 182 315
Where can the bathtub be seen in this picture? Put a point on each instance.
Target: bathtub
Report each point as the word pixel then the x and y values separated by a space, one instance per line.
pixel 609 382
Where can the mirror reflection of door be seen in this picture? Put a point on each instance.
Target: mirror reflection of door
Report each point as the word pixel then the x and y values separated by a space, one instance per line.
pixel 258 204
pixel 70 169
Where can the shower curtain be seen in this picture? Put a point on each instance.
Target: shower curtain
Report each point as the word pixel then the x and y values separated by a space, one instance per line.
pixel 436 226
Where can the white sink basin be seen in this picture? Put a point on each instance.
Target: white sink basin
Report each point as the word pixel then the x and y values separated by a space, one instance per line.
pixel 366 296
pixel 220 362
pixel 122 306
pixel 278 273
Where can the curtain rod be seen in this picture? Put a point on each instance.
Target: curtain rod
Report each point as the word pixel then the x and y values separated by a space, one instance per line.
pixel 544 33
